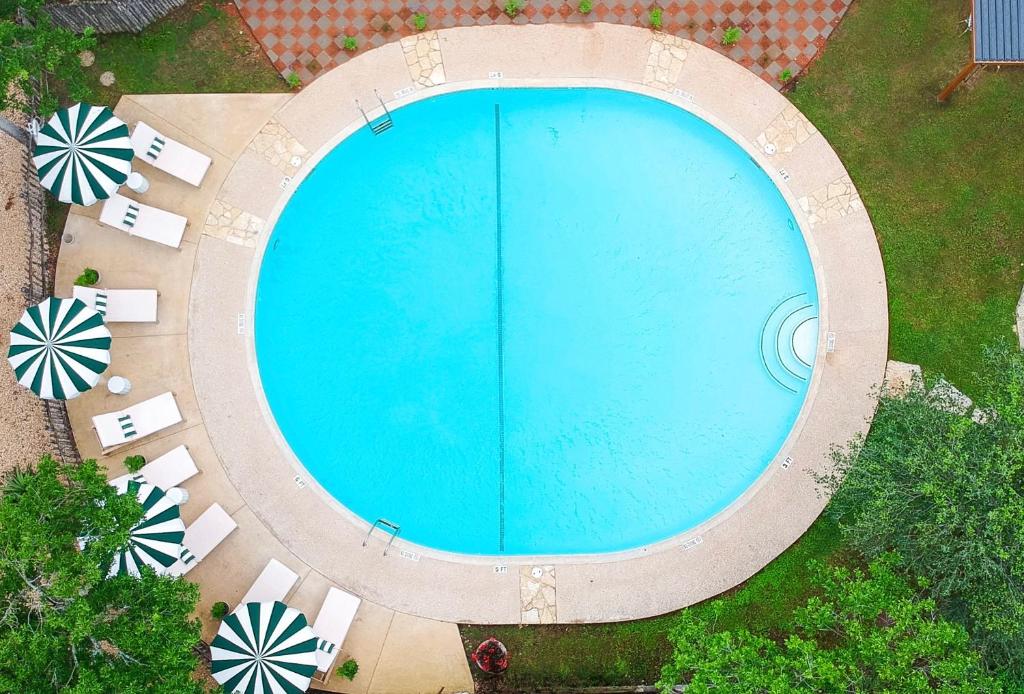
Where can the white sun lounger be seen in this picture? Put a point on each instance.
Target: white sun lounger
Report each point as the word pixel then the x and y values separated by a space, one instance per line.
pixel 150 223
pixel 166 472
pixel 201 538
pixel 120 305
pixel 136 422
pixel 170 156
pixel 273 583
pixel 332 625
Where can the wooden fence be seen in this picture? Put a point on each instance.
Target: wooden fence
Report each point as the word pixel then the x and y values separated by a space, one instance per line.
pixel 110 16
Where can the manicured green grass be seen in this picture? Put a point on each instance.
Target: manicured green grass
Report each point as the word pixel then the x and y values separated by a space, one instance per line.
pixel 204 47
pixel 943 184
pixel 631 653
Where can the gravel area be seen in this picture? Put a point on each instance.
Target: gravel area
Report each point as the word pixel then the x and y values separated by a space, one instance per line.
pixel 23 434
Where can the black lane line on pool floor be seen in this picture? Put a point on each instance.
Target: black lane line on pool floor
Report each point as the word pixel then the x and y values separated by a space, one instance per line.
pixel 499 279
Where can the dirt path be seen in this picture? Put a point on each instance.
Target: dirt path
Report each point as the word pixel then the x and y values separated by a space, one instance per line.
pixel 23 435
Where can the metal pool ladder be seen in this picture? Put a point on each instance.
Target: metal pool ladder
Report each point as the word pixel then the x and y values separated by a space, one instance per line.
pixel 394 528
pixel 382 124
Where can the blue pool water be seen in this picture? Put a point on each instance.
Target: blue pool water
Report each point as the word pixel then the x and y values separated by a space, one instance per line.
pixel 536 321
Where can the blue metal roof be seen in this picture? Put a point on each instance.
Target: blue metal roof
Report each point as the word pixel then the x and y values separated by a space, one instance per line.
pixel 998 31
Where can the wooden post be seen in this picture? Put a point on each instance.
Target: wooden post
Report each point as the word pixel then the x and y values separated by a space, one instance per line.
pixel 960 77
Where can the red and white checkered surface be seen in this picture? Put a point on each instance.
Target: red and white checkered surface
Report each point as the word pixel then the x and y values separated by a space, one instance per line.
pixel 306 36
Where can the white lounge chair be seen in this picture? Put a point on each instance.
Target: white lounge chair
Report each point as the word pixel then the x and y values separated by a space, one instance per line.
pixel 120 305
pixel 136 422
pixel 332 625
pixel 166 472
pixel 150 223
pixel 201 538
pixel 273 583
pixel 170 156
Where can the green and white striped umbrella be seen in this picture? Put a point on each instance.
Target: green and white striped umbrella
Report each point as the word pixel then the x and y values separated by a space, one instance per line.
pixel 156 541
pixel 83 154
pixel 59 348
pixel 264 648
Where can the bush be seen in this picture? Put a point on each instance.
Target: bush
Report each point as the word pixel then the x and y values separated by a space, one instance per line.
pixel 786 75
pixel 585 7
pixel 655 18
pixel 39 48
pixel 88 278
pixel 348 669
pixel 945 493
pixel 67 625
pixel 293 80
pixel 731 36
pixel 219 610
pixel 134 463
pixel 350 44
pixel 858 633
pixel 513 8
pixel 419 20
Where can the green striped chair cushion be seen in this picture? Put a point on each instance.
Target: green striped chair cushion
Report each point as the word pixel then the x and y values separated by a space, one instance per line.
pixel 155 147
pixel 131 215
pixel 127 425
pixel 101 303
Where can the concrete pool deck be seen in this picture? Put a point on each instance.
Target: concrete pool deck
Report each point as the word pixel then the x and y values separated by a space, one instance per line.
pixel 262 146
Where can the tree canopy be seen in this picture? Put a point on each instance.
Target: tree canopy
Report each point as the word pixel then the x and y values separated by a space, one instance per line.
pixel 65 626
pixel 864 633
pixel 947 494
pixel 37 49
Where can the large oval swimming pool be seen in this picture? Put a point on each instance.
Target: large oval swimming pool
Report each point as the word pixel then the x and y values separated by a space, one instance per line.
pixel 536 321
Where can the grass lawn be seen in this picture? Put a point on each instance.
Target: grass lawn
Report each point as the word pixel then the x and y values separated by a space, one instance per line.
pixel 945 189
pixel 203 47
pixel 632 653
pixel 944 184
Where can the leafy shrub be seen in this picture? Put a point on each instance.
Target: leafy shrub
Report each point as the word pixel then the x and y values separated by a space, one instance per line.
pixel 219 610
pixel 348 669
pixel 513 8
pixel 585 7
pixel 134 463
pixel 731 36
pixel 293 80
pixel 944 491
pixel 419 20
pixel 16 482
pixel 59 605
pixel 88 278
pixel 38 47
pixel 350 44
pixel 858 632
pixel 655 18
pixel 786 75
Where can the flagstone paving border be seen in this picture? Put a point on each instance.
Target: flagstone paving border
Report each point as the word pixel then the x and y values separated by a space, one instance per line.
pixel 204 350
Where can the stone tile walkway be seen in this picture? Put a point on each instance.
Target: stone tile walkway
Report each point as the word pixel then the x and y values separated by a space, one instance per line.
pixel 306 36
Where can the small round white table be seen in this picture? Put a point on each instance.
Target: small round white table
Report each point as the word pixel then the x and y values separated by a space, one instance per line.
pixel 137 182
pixel 119 385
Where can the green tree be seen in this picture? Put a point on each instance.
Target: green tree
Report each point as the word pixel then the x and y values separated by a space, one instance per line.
pixel 65 626
pixel 863 633
pixel 38 49
pixel 947 494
